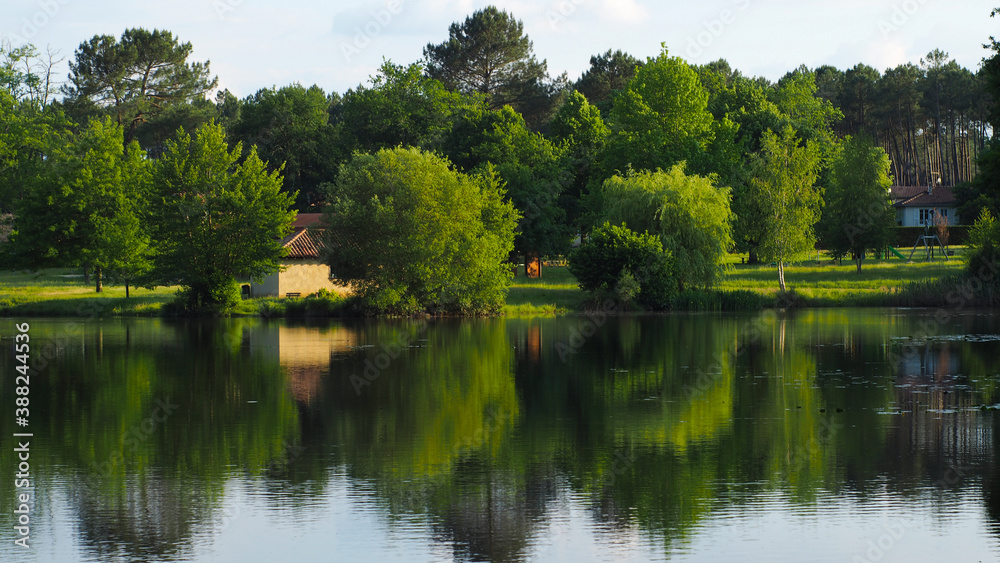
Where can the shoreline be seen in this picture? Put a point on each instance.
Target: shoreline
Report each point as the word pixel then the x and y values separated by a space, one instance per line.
pixel 813 285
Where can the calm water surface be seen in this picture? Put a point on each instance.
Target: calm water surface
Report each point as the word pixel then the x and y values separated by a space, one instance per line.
pixel 832 435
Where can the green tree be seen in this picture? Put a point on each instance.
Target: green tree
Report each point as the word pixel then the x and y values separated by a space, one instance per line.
pixel 613 259
pixel 983 257
pixel 689 213
pixel 290 127
pixel 609 73
pixel 29 123
pixel 983 193
pixel 582 134
pixel 746 104
pixel 813 118
pixel 408 233
pixel 87 209
pixel 531 166
pixel 401 106
pixel 134 79
pixel 661 119
pixel 215 218
pixel 783 183
pixel 489 54
pixel 858 216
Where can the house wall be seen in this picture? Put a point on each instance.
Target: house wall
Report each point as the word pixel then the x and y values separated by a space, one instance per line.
pixel 305 277
pixel 911 216
pixel 269 286
pixel 300 276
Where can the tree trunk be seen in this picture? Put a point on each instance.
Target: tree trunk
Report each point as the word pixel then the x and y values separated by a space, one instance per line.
pixel 86 275
pixel 752 258
pixel 126 290
pixel 97 276
pixel 781 275
pixel 859 265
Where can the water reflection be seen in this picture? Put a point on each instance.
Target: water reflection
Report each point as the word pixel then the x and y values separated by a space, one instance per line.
pixel 510 440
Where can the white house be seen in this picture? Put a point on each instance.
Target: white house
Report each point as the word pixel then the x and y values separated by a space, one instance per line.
pixel 916 206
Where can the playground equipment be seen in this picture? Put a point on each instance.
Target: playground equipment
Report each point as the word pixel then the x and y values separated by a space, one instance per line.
pixel 897 253
pixel 928 240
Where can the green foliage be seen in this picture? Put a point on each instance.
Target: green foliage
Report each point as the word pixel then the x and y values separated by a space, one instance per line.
pixel 532 167
pixel 858 217
pixel 689 213
pixel 400 107
pixel 88 209
pixel 215 218
pixel 134 79
pixel 582 134
pixel 609 73
pixel 811 116
pixel 579 124
pixel 30 126
pixel 290 128
pixel 410 234
pixel 616 261
pixel 983 258
pixel 489 54
pixel 783 185
pixel 661 119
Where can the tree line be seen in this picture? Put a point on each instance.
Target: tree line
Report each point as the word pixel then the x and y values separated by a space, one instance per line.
pixel 484 103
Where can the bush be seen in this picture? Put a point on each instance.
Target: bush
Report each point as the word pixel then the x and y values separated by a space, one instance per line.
pixel 618 262
pixel 983 256
pixel 217 298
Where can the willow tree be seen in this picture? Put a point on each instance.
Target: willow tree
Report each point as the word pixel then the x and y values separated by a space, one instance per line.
pixel 689 213
pixel 783 184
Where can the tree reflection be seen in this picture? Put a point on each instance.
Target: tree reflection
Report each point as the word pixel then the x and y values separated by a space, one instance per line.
pixel 485 428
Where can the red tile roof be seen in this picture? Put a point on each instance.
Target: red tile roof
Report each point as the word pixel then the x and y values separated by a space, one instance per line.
pixel 303 244
pixel 908 196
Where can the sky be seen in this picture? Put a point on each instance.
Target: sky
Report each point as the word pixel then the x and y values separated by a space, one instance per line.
pixel 254 44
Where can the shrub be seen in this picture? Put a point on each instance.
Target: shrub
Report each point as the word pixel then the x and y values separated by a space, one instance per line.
pixel 619 262
pixel 983 256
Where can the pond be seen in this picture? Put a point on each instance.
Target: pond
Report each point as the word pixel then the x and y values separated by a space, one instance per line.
pixel 813 435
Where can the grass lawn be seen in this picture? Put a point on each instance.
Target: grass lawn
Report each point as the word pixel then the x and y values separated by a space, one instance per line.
pixel 820 281
pixel 823 282
pixel 62 292
pixel 555 293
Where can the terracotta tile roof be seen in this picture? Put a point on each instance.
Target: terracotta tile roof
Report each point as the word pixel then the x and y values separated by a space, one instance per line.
pixel 941 197
pixel 303 244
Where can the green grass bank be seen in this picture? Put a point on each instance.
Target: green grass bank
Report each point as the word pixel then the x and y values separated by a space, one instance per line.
pixel 817 282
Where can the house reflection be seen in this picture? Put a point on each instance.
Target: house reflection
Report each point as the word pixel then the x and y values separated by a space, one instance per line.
pixel 940 431
pixel 304 353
